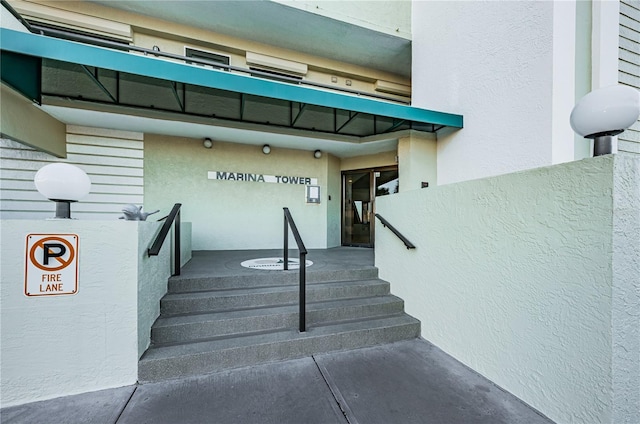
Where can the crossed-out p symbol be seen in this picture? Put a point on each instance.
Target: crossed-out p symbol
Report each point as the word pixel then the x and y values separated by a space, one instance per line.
pixel 51 264
pixel 49 252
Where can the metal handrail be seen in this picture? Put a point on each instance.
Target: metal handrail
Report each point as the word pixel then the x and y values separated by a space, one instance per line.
pixel 154 250
pixel 288 221
pixel 396 232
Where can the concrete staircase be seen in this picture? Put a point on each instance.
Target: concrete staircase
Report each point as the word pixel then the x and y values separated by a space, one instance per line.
pixel 208 324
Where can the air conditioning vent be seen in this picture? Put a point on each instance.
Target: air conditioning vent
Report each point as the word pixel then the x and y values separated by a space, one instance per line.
pixel 392 88
pixel 275 65
pixel 82 24
pixel 212 58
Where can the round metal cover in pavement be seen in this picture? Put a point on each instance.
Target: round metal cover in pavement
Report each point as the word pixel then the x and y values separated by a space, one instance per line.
pixel 273 264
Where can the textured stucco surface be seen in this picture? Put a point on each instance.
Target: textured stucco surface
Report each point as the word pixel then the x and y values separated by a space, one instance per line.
pixel 501 82
pixel 512 275
pixel 626 290
pixel 62 345
pixel 417 161
pixel 235 214
pixel 153 274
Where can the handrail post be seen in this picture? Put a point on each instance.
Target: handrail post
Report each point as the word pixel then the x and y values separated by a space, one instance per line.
pixel 172 219
pixel 303 291
pixel 302 268
pixel 286 243
pixel 176 244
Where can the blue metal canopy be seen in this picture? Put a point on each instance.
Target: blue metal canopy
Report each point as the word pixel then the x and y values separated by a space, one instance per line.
pixel 110 70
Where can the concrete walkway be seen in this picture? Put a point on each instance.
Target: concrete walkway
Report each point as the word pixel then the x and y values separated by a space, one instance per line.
pixel 405 382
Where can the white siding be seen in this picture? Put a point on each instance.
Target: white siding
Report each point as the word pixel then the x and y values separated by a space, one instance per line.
pixel 629 65
pixel 112 159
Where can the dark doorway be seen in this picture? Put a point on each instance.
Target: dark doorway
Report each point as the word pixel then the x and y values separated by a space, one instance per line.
pixel 359 190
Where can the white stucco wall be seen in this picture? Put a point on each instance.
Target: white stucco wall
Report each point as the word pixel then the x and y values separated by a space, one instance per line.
pixel 625 291
pixel 153 273
pixel 508 70
pixel 532 279
pixel 62 345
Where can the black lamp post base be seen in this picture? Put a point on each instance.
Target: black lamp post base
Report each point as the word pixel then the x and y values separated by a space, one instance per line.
pixel 63 209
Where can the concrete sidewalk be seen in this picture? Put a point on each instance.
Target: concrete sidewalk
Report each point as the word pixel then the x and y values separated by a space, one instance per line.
pixel 405 382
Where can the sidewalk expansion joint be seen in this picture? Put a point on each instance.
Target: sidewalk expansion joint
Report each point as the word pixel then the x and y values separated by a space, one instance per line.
pixel 126 404
pixel 335 392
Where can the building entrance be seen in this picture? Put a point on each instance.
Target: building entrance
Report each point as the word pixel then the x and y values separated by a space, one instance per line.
pixel 359 190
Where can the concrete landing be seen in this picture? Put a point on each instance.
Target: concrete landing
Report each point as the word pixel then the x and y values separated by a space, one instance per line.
pixel 222 263
pixel 400 383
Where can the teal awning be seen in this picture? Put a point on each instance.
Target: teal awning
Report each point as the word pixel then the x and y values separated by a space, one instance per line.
pixel 92 73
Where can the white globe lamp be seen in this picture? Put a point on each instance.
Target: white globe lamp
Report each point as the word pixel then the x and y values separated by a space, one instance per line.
pixel 605 113
pixel 63 184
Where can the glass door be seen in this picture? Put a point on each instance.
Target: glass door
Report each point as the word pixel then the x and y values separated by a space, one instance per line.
pixel 356 208
pixel 359 189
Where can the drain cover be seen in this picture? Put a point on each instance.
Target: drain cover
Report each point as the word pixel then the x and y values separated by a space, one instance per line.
pixel 273 264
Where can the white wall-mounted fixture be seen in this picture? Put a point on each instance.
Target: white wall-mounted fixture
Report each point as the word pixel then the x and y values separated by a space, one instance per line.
pixel 605 113
pixel 266 149
pixel 392 88
pixel 63 184
pixel 317 154
pixel 207 143
pixel 283 66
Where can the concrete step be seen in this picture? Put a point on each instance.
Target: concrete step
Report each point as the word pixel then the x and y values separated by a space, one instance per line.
pixel 221 300
pixel 180 284
pixel 190 327
pixel 176 361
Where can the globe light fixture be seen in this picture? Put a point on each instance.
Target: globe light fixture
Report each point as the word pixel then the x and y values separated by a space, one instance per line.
pixel 207 143
pixel 605 113
pixel 266 149
pixel 317 154
pixel 63 184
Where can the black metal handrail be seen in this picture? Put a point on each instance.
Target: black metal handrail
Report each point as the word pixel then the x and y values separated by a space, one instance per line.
pixel 154 250
pixel 396 232
pixel 288 221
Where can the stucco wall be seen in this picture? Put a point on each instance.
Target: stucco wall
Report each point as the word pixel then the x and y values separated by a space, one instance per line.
pixel 626 291
pixel 153 273
pixel 501 81
pixel 62 345
pixel 235 214
pixel 514 275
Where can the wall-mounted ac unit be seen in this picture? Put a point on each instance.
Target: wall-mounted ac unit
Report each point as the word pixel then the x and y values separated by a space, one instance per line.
pixel 52 16
pixel 272 64
pixel 392 88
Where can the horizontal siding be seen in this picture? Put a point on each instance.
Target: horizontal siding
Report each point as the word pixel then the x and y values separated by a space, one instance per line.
pixel 629 66
pixel 113 160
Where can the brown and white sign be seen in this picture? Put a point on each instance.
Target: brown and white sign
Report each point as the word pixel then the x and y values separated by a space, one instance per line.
pixel 51 265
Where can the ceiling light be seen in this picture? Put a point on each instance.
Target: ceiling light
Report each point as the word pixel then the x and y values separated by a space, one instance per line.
pixel 317 154
pixel 207 143
pixel 266 149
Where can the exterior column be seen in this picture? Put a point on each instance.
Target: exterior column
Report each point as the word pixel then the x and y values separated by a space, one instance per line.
pixel 417 161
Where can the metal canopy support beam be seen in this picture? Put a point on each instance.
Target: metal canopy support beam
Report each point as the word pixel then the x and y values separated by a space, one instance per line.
pixel 396 124
pixel 352 115
pixel 302 108
pixel 174 88
pixel 95 79
pixel 242 106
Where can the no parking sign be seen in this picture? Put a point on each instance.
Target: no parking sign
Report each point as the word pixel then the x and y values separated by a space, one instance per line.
pixel 51 265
